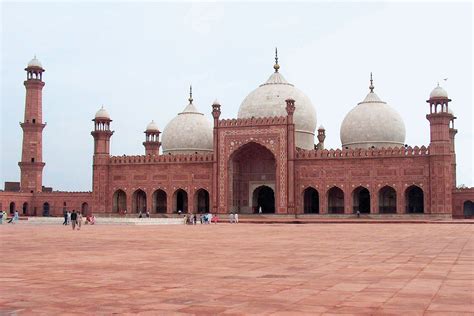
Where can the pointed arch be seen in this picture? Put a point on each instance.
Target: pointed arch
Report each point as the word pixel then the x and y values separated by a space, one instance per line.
pixel 361 200
pixel 201 201
pixel 335 197
pixel 159 199
pixel 139 201
pixel 387 200
pixel 311 201
pixel 119 201
pixel 414 198
pixel 180 201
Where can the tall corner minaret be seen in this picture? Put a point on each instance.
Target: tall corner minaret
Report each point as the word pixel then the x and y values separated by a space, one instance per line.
pixel 101 159
pixel 441 152
pixel 31 164
pixel 152 140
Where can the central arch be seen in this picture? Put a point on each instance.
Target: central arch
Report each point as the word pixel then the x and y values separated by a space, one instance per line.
pixel 387 200
pixel 361 200
pixel 263 197
pixel 250 168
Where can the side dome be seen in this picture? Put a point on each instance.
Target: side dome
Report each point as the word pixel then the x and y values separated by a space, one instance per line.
pixel 438 93
pixel 372 123
pixel 152 127
pixel 35 63
pixel 269 100
pixel 102 114
pixel 188 133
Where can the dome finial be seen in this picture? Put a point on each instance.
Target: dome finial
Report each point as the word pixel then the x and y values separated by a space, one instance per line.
pixel 371 87
pixel 276 66
pixel 190 94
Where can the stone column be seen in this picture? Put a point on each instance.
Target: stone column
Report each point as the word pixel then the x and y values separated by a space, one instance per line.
pixel 290 109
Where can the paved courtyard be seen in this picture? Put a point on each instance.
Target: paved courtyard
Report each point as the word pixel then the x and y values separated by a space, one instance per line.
pixel 402 269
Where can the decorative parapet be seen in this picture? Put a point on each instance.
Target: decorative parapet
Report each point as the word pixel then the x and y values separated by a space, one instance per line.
pixel 64 192
pixel 254 121
pixel 151 159
pixel 363 153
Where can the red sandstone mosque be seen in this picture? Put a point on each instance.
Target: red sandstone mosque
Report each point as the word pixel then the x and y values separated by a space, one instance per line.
pixel 265 160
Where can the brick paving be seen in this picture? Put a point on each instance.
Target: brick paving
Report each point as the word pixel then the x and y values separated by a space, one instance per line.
pixel 279 269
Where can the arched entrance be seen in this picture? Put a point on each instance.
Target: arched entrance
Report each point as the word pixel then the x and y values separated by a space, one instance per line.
pixel 46 209
pixel 468 209
pixel 201 201
pixel 12 207
pixel 414 199
pixel 139 201
pixel 159 201
pixel 25 208
pixel 250 167
pixel 311 201
pixel 361 200
pixel 335 201
pixel 119 201
pixel 263 197
pixel 180 201
pixel 85 209
pixel 387 200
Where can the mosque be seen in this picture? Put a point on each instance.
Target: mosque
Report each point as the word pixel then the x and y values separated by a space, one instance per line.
pixel 265 160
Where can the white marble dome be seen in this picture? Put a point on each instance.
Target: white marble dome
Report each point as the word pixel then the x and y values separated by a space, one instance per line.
pixel 372 123
pixel 102 114
pixel 438 93
pixel 152 127
pixel 35 63
pixel 189 132
pixel 269 100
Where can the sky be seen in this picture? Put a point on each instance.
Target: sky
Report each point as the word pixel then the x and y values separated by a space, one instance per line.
pixel 138 60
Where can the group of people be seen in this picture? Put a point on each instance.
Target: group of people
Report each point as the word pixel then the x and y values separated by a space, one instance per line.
pixel 13 219
pixel 208 218
pixel 75 219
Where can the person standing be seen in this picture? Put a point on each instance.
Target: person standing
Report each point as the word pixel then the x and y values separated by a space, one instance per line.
pixel 259 210
pixel 68 217
pixel 231 218
pixel 1 217
pixel 73 219
pixel 236 218
pixel 65 218
pixel 5 216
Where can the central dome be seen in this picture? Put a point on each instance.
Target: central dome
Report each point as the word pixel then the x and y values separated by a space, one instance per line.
pixel 269 100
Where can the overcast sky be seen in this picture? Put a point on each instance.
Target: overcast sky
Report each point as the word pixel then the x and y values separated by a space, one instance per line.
pixel 138 59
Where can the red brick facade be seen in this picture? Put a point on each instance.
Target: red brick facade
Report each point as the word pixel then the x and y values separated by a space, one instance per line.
pixel 254 167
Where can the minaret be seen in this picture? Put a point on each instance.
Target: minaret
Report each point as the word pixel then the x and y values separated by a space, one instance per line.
pixel 100 166
pixel 152 140
pixel 452 135
pixel 440 150
pixel 31 164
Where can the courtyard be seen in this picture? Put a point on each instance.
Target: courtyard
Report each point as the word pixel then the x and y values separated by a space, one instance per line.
pixel 399 269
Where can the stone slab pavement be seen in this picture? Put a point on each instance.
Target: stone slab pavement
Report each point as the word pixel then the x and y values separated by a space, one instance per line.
pixel 243 269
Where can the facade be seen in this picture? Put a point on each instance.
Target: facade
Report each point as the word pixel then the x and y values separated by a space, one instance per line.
pixel 264 161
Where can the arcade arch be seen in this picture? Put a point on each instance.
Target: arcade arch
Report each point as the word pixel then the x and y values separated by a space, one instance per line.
pixel 335 201
pixel 159 204
pixel 387 200
pixel 310 201
pixel 414 198
pixel 119 201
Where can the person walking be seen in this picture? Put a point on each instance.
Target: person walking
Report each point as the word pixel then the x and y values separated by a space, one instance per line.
pixel 231 218
pixel 14 218
pixel 73 219
pixel 236 218
pixel 1 217
pixel 79 220
pixel 5 216
pixel 65 218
